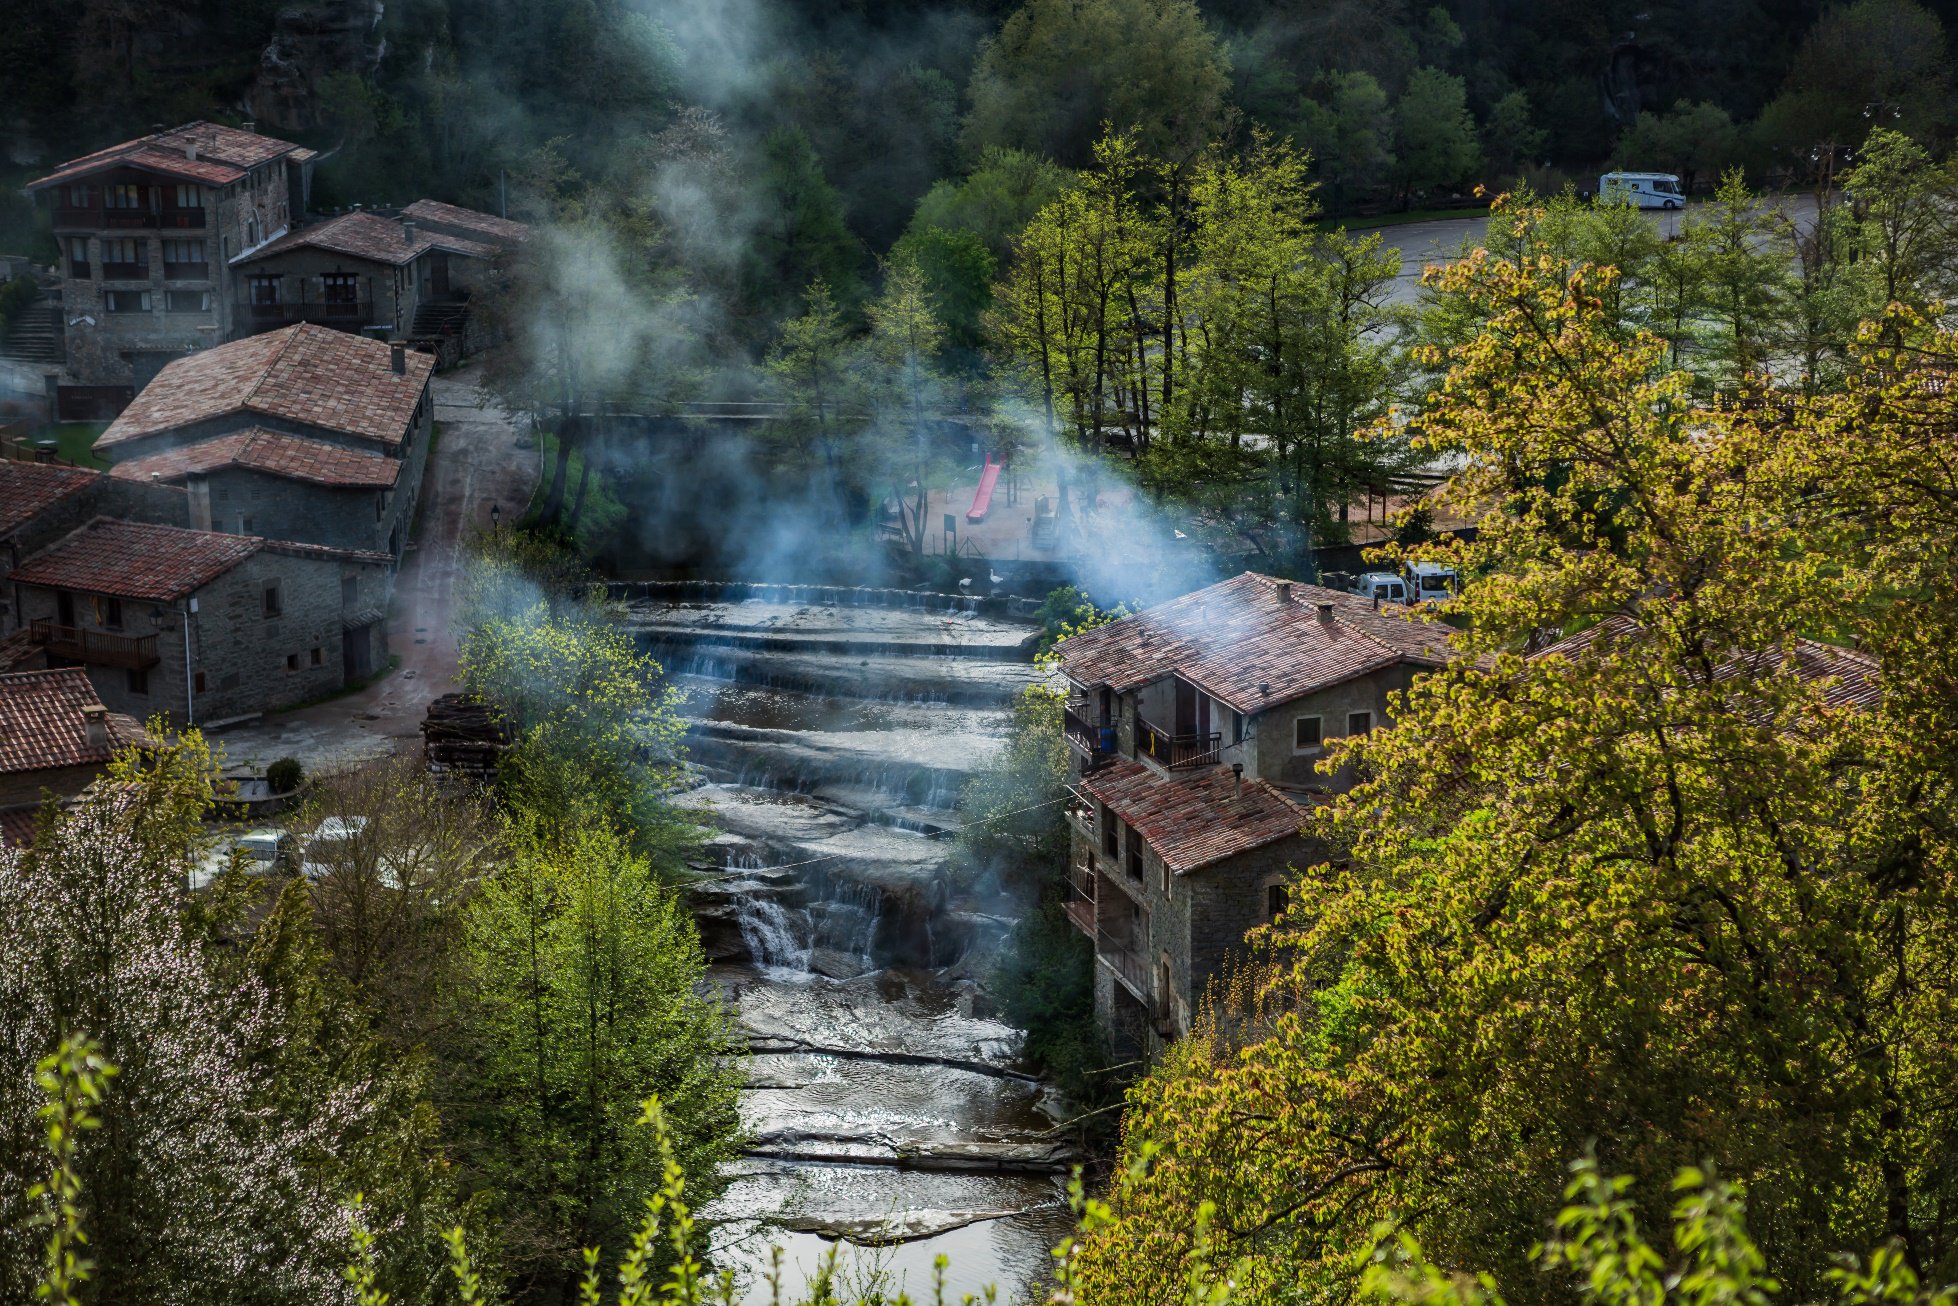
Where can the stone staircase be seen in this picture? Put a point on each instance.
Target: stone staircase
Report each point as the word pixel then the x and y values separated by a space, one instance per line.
pixel 436 321
pixel 35 336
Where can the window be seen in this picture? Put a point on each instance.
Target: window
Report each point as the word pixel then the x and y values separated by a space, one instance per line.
pixel 124 257
pixel 197 682
pixel 1135 855
pixel 1359 723
pixel 183 251
pixel 126 301
pixel 251 231
pixel 187 301
pixel 1274 900
pixel 265 290
pixel 80 197
pixel 317 658
pixel 1165 878
pixel 274 604
pixel 78 257
pixel 245 528
pixel 122 197
pixel 108 612
pixel 339 288
pixel 1306 734
pixel 190 197
pixel 1110 834
pixel 139 680
pixel 292 662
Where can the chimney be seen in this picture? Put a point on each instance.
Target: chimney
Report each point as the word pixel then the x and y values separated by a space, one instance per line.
pixel 1283 591
pixel 407 233
pixel 190 151
pixel 398 357
pixel 249 125
pixel 1237 773
pixel 1325 612
pixel 95 725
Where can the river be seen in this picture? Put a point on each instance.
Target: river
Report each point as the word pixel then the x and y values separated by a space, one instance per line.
pixel 888 1114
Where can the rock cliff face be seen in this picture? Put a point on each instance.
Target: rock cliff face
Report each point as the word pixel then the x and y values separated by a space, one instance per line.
pixel 312 41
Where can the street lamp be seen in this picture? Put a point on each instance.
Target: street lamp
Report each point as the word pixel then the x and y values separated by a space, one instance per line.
pixel 496 517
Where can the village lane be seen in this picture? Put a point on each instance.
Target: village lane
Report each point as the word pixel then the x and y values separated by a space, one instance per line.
pixel 481 460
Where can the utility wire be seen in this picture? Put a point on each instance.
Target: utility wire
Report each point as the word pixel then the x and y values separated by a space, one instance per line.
pixel 929 834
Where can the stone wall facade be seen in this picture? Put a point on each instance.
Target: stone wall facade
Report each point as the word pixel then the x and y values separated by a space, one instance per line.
pixel 243 655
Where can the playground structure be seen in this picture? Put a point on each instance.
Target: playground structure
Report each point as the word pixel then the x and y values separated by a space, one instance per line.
pixel 982 498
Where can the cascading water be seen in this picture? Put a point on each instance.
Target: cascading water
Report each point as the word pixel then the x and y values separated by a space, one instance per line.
pixel 881 1106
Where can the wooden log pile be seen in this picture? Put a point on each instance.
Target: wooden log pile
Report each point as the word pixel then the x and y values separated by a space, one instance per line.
pixel 462 737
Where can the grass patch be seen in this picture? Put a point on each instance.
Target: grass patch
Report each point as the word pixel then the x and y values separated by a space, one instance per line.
pixel 75 442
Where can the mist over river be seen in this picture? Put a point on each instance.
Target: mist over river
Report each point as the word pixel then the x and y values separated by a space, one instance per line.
pixel 887 1113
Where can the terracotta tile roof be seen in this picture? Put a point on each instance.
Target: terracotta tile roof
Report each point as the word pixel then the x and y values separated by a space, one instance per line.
pixel 1851 678
pixel 29 489
pixel 42 725
pixel 272 452
pixel 133 560
pixel 224 154
pixel 311 374
pixel 293 548
pixel 369 236
pixel 480 226
pixel 1197 818
pixel 1239 643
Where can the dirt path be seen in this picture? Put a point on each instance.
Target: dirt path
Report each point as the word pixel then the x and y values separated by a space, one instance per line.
pixel 475 464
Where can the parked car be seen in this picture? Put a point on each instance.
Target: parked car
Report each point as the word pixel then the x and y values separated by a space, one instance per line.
pixel 331 845
pixel 1381 587
pixel 1430 582
pixel 264 852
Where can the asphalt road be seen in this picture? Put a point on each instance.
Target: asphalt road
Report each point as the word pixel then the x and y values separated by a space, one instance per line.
pixel 1442 241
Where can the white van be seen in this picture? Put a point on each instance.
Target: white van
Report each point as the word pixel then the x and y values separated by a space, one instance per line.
pixel 1381 587
pixel 1431 582
pixel 1648 190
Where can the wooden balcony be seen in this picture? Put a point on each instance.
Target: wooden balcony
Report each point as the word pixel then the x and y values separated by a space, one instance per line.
pixel 1176 752
pixel 347 316
pixel 1080 902
pixel 98 218
pixel 100 648
pixel 1120 956
pixel 1095 743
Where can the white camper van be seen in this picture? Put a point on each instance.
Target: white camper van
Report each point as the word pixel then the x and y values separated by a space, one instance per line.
pixel 1648 190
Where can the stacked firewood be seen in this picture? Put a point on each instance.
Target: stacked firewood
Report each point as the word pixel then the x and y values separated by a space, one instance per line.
pixel 461 736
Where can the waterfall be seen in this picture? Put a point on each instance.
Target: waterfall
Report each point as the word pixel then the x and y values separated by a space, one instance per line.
pixel 774 936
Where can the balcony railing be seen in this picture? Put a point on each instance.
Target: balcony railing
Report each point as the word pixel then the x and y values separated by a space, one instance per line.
pixel 1080 904
pixel 347 315
pixel 97 218
pixel 125 272
pixel 1177 752
pixel 94 646
pixel 1120 957
pixel 1096 743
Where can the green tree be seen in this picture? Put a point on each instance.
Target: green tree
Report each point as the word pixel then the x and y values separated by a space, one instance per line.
pixel 586 996
pixel 905 386
pixel 958 272
pixel 1511 140
pixel 800 234
pixel 1696 141
pixel 1434 136
pixel 1061 71
pixel 995 201
pixel 1351 138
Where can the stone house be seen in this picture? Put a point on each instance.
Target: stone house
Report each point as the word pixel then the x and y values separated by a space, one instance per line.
pixel 41 502
pixel 199 626
pixel 55 738
pixel 149 231
pixel 1197 727
pixel 409 275
pixel 308 433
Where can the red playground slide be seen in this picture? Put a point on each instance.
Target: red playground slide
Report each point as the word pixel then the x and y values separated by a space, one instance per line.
pixel 982 498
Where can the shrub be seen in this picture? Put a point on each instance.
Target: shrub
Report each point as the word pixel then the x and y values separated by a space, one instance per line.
pixel 285 775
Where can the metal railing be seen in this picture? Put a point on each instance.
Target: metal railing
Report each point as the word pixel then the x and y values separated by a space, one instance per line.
pixel 98 647
pixel 1177 752
pixel 100 218
pixel 1080 903
pixel 1127 964
pixel 271 315
pixel 1095 742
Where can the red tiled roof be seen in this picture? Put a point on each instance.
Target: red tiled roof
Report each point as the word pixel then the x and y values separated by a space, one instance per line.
pixel 1239 643
pixel 224 154
pixel 133 560
pixel 483 225
pixel 372 237
pixel 29 489
pixel 1851 678
pixel 1194 819
pixel 305 373
pixel 296 549
pixel 272 452
pixel 42 726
